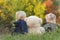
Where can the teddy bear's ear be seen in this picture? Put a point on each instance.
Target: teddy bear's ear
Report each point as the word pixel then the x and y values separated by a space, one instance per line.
pixel 40 20
pixel 26 18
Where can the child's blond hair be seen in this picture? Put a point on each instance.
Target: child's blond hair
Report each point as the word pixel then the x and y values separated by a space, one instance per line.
pixel 51 18
pixel 20 14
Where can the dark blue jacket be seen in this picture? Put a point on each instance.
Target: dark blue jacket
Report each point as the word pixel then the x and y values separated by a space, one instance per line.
pixel 20 27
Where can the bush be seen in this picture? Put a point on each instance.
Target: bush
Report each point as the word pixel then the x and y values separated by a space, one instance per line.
pixel 6 16
pixel 31 7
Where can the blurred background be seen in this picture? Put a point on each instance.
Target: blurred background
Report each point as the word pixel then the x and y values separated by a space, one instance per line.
pixel 39 8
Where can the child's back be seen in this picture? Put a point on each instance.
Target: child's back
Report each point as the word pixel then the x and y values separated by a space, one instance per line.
pixel 21 27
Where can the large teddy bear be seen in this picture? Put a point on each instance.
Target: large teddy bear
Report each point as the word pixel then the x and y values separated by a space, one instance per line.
pixel 34 25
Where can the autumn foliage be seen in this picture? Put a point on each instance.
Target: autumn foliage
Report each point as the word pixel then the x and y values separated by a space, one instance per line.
pixel 49 6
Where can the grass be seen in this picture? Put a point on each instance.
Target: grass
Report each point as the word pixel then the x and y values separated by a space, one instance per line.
pixel 54 35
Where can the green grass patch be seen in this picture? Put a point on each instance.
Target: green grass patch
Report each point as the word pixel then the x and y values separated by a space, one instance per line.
pixel 54 35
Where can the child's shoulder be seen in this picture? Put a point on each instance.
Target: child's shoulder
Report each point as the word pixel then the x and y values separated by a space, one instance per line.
pixel 19 22
pixel 23 21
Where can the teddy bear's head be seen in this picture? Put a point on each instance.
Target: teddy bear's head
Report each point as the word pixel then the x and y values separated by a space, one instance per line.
pixel 34 21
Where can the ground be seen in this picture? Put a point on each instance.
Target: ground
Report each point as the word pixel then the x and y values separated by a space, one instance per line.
pixel 54 35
